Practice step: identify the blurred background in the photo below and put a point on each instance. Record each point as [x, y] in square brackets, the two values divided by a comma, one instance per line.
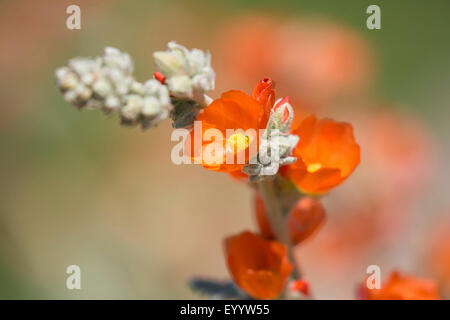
[77, 188]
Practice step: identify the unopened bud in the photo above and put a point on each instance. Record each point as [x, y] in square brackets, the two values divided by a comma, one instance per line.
[180, 86]
[264, 92]
[187, 73]
[169, 62]
[281, 115]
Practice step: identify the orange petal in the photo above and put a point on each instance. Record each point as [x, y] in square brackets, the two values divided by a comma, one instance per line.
[234, 110]
[329, 154]
[259, 267]
[248, 112]
[304, 219]
[307, 216]
[264, 93]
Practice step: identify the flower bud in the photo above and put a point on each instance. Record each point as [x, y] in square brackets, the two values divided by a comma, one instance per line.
[180, 86]
[102, 87]
[188, 73]
[150, 107]
[276, 144]
[264, 93]
[133, 106]
[170, 63]
[281, 115]
[115, 58]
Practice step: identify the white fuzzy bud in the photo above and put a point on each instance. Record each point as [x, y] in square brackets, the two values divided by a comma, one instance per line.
[169, 63]
[112, 103]
[188, 73]
[281, 116]
[102, 87]
[151, 107]
[180, 86]
[133, 106]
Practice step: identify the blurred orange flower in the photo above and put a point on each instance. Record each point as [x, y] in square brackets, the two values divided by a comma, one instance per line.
[304, 219]
[314, 61]
[399, 159]
[402, 287]
[344, 241]
[327, 153]
[259, 267]
[323, 60]
[245, 50]
[396, 144]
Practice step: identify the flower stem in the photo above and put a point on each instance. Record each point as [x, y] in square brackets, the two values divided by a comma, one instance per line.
[277, 221]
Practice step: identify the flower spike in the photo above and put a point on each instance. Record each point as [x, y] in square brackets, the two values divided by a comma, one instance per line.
[106, 83]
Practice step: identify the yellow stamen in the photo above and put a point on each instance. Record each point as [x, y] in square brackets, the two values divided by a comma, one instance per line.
[239, 141]
[311, 168]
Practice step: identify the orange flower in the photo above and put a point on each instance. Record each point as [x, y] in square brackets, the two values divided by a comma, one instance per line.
[234, 110]
[402, 287]
[264, 94]
[304, 219]
[327, 153]
[259, 267]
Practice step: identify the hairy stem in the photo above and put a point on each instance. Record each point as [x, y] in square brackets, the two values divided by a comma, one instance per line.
[277, 220]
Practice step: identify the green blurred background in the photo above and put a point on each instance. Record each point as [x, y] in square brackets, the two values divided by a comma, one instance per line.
[77, 188]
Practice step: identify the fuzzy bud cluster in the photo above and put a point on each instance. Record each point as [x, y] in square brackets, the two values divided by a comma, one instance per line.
[106, 83]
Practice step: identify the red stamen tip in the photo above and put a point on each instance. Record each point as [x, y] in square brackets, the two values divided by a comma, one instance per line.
[160, 77]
